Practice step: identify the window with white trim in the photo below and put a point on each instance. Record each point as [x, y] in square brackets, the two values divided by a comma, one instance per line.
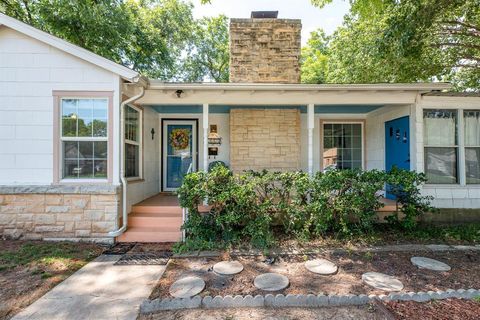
[440, 136]
[133, 142]
[471, 135]
[84, 138]
[342, 145]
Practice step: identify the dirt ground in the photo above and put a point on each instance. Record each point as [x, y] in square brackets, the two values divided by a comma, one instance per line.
[464, 273]
[353, 313]
[29, 269]
[451, 309]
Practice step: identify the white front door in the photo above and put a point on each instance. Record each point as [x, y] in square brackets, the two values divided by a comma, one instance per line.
[179, 151]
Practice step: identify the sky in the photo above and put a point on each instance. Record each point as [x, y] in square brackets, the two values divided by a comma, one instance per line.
[328, 18]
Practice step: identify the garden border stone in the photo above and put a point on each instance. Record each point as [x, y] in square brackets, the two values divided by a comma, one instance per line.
[290, 300]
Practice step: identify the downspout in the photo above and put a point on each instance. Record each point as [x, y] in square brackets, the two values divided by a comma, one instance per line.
[122, 229]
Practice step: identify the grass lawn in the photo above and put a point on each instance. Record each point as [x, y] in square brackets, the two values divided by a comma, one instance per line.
[29, 269]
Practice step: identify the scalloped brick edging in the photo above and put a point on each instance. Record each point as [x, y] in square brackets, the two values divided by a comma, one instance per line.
[290, 300]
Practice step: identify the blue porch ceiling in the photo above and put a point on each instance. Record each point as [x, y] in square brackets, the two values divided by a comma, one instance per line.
[342, 108]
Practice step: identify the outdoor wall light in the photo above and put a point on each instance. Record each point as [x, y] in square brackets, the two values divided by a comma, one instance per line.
[179, 93]
[213, 137]
[153, 133]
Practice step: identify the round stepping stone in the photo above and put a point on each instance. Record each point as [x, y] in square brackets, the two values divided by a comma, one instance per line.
[271, 282]
[382, 281]
[430, 264]
[321, 266]
[187, 287]
[228, 267]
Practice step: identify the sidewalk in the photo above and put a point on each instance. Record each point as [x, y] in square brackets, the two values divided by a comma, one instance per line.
[100, 290]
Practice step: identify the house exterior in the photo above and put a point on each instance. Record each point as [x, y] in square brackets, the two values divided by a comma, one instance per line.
[83, 140]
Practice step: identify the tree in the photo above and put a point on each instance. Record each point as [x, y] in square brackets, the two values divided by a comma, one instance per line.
[209, 57]
[409, 40]
[314, 59]
[150, 36]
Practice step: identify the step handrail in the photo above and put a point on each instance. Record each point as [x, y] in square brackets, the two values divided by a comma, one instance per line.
[185, 210]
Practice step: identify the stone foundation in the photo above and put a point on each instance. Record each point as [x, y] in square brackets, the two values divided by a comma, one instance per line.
[265, 139]
[63, 213]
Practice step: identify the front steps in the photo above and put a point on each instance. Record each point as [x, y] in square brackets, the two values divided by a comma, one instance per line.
[157, 219]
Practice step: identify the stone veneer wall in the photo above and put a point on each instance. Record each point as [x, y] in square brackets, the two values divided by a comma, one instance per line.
[59, 212]
[265, 50]
[264, 139]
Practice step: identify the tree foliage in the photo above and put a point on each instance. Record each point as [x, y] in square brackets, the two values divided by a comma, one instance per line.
[314, 59]
[406, 41]
[209, 57]
[154, 37]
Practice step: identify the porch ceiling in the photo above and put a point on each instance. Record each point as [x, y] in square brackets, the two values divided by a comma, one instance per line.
[327, 108]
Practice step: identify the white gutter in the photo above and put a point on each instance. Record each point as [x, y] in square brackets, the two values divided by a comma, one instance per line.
[159, 85]
[122, 229]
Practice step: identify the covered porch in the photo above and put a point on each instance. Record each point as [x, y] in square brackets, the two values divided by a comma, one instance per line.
[275, 127]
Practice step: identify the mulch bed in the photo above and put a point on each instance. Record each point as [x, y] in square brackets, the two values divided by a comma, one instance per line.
[464, 274]
[450, 309]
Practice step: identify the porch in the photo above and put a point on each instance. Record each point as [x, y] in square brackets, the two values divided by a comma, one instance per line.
[262, 126]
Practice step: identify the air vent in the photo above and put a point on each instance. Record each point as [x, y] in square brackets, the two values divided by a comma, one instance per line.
[264, 14]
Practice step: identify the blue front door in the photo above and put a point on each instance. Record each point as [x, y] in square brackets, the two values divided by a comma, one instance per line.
[397, 145]
[179, 151]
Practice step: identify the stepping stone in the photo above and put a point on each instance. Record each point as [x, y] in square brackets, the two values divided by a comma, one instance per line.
[382, 281]
[271, 282]
[228, 267]
[430, 264]
[321, 266]
[187, 287]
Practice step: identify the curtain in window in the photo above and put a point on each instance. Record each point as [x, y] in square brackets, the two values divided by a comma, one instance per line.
[440, 140]
[472, 146]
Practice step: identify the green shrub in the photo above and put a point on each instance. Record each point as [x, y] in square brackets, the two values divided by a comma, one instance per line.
[245, 207]
[405, 186]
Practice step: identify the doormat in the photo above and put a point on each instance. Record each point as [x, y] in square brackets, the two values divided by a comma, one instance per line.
[119, 248]
[144, 259]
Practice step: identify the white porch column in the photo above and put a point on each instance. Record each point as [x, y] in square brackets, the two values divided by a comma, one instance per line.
[205, 137]
[311, 126]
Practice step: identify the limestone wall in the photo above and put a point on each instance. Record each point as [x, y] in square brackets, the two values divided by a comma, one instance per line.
[52, 214]
[264, 139]
[265, 50]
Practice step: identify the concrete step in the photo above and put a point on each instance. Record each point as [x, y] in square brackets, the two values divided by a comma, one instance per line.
[169, 210]
[147, 219]
[144, 234]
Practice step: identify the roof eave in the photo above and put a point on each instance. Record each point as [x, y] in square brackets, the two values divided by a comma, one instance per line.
[418, 87]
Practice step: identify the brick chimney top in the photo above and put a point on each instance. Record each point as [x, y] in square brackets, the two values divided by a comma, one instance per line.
[264, 49]
[264, 15]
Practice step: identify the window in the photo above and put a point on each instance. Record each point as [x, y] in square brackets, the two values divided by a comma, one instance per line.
[472, 146]
[342, 146]
[441, 146]
[84, 138]
[133, 142]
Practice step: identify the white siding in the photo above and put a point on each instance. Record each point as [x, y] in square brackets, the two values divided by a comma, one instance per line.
[29, 71]
[137, 191]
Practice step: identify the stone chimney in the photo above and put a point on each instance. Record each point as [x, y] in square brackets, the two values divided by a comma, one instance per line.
[265, 49]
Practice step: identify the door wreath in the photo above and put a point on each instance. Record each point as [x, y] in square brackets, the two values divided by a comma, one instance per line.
[179, 139]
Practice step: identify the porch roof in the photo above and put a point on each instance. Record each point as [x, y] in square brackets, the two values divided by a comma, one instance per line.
[266, 94]
[418, 86]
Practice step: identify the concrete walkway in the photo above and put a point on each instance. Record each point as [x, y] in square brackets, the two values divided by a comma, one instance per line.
[98, 291]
